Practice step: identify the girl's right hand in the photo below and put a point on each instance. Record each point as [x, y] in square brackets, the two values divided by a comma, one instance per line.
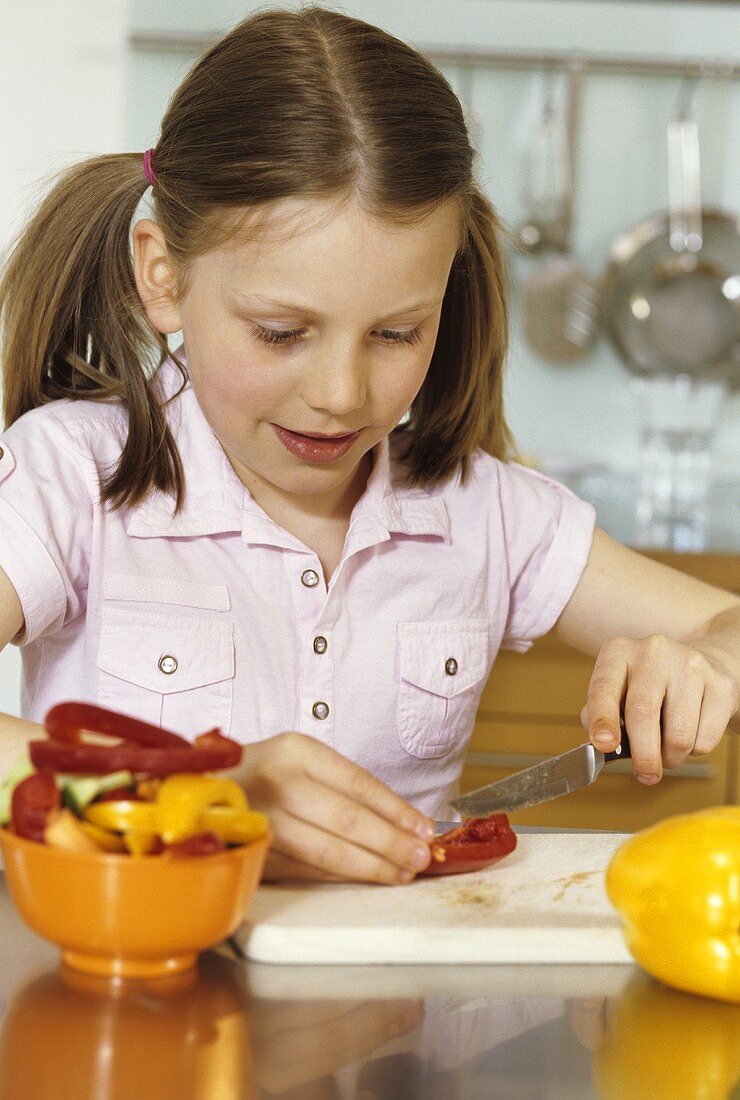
[332, 820]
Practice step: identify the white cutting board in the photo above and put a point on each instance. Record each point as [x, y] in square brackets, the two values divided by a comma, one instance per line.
[545, 903]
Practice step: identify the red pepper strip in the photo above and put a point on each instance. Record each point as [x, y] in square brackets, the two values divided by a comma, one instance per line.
[65, 722]
[213, 754]
[32, 803]
[201, 844]
[476, 844]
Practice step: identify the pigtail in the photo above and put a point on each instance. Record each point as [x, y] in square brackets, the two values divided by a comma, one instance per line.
[74, 325]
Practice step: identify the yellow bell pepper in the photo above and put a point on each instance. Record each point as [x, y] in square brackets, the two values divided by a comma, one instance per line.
[677, 888]
[181, 800]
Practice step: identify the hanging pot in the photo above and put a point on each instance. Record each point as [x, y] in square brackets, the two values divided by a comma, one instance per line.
[671, 291]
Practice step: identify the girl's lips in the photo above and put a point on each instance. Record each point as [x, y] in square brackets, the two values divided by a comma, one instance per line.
[312, 449]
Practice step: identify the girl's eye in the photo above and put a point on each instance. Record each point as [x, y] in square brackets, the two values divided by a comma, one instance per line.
[293, 335]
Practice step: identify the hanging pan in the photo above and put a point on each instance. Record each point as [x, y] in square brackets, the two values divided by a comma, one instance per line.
[671, 291]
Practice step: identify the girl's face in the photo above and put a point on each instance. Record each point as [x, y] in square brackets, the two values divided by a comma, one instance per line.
[323, 326]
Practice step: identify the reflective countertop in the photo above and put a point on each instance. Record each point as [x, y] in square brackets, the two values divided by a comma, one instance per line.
[233, 1030]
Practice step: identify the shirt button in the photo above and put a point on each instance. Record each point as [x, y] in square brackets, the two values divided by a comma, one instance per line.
[319, 644]
[450, 666]
[320, 710]
[310, 578]
[167, 664]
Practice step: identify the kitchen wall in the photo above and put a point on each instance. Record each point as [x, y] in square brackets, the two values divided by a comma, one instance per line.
[81, 77]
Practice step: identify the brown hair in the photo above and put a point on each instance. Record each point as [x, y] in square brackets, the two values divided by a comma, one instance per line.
[310, 103]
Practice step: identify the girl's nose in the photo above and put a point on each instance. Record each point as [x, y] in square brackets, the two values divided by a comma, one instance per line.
[339, 386]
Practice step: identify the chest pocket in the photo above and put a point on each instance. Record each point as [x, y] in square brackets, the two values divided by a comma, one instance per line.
[443, 668]
[173, 670]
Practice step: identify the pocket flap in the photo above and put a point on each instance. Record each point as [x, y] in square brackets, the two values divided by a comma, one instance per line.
[444, 658]
[165, 653]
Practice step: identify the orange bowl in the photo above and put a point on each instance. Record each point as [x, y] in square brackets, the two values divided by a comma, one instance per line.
[133, 916]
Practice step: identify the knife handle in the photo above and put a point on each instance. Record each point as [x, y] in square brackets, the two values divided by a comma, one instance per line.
[623, 752]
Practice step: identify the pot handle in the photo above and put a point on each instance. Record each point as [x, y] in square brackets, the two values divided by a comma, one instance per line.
[684, 178]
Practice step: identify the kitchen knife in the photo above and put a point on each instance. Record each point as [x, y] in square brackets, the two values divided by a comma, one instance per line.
[553, 777]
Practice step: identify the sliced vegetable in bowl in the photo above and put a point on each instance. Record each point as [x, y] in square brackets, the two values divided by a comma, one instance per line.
[144, 794]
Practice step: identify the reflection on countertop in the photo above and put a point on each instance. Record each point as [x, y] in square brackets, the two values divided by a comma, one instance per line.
[242, 1031]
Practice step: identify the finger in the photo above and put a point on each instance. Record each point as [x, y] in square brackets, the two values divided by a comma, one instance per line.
[680, 716]
[286, 755]
[604, 697]
[333, 812]
[642, 710]
[333, 855]
[360, 786]
[717, 708]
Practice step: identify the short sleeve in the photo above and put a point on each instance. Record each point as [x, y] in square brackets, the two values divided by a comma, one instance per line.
[45, 522]
[548, 532]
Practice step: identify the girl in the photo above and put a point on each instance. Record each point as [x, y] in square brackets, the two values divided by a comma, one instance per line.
[303, 526]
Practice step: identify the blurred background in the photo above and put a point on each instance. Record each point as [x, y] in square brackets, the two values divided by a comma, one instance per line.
[569, 103]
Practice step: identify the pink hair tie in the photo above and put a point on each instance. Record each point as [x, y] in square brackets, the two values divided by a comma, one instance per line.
[148, 170]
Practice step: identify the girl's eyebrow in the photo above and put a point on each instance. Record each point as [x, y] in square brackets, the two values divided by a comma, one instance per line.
[306, 311]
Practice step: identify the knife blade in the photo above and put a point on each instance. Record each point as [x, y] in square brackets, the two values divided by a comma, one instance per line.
[556, 776]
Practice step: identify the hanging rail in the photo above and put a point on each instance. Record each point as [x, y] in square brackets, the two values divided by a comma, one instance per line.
[165, 42]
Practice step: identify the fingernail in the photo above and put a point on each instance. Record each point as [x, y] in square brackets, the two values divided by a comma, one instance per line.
[649, 779]
[604, 739]
[425, 831]
[406, 876]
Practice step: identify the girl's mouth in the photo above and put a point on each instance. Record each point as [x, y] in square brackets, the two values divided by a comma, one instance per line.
[311, 448]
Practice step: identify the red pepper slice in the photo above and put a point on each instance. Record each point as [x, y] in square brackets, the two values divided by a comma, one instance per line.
[476, 844]
[201, 844]
[32, 803]
[143, 750]
[66, 721]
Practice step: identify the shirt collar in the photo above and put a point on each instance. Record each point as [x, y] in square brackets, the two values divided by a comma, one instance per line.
[216, 502]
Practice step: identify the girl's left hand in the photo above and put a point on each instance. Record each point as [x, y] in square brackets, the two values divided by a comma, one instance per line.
[676, 700]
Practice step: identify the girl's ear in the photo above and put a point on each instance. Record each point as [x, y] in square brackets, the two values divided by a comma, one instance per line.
[155, 277]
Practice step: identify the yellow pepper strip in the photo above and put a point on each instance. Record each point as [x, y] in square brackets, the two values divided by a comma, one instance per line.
[181, 800]
[139, 843]
[106, 840]
[233, 826]
[677, 887]
[122, 816]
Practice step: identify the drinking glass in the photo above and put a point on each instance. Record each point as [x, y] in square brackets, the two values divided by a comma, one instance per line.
[678, 417]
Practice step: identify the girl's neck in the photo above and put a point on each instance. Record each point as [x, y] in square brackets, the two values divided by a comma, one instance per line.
[306, 515]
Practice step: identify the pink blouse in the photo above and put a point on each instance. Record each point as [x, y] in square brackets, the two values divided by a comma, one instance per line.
[220, 617]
